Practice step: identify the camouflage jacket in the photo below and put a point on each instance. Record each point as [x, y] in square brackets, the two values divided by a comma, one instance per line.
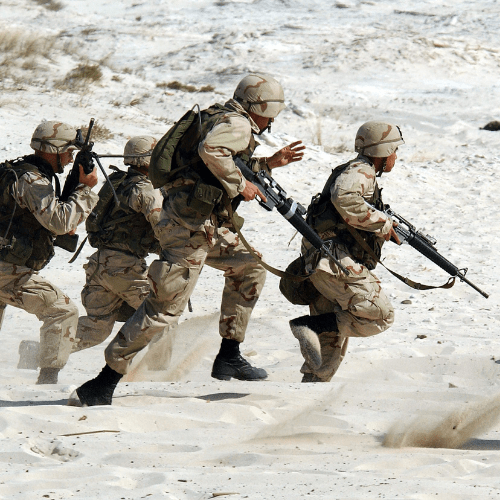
[347, 192]
[39, 215]
[227, 131]
[130, 226]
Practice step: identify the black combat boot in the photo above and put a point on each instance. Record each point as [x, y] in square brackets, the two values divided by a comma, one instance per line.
[306, 329]
[99, 390]
[229, 363]
[48, 376]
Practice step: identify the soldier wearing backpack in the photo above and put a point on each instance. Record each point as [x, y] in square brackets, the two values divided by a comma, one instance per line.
[116, 274]
[355, 305]
[195, 231]
[31, 215]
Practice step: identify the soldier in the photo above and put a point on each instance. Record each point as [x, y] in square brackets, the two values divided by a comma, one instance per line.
[116, 275]
[194, 231]
[348, 306]
[31, 215]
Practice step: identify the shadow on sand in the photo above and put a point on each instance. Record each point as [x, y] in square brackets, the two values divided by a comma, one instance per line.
[13, 404]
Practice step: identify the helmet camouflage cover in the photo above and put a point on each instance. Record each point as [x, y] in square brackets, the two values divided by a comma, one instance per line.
[53, 137]
[138, 146]
[378, 139]
[261, 94]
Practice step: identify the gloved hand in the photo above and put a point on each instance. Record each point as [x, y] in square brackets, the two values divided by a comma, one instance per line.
[86, 160]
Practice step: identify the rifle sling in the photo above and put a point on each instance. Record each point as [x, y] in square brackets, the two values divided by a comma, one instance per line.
[272, 270]
[77, 253]
[413, 284]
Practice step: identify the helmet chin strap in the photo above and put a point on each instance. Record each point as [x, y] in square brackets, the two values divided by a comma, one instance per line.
[60, 168]
[383, 167]
[268, 129]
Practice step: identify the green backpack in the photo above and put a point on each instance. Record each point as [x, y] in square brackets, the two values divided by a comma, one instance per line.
[161, 168]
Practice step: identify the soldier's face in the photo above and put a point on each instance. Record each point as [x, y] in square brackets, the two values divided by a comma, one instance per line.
[56, 161]
[390, 162]
[66, 157]
[261, 121]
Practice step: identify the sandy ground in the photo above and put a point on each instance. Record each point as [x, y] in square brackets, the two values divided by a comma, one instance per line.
[413, 412]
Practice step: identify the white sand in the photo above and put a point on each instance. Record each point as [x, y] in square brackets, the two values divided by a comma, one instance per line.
[405, 417]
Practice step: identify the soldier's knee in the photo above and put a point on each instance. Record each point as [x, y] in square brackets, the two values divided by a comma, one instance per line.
[373, 309]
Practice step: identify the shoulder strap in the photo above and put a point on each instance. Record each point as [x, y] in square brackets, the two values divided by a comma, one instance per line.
[331, 180]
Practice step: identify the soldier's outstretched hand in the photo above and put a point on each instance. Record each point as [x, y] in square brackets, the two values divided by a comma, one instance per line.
[292, 152]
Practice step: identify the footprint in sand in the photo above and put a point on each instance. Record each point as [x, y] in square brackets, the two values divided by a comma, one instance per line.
[52, 448]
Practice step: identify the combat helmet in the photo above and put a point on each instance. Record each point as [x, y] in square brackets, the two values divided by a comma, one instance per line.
[378, 139]
[261, 94]
[140, 145]
[53, 137]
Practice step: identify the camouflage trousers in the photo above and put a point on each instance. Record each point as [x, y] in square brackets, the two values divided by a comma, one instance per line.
[361, 307]
[172, 280]
[23, 288]
[116, 282]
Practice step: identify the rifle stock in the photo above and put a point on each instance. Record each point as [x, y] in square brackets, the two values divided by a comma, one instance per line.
[68, 242]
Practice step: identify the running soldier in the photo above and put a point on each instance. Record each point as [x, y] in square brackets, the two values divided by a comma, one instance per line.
[116, 275]
[31, 216]
[195, 230]
[348, 306]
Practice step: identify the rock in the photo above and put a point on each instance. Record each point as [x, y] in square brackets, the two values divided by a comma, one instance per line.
[494, 126]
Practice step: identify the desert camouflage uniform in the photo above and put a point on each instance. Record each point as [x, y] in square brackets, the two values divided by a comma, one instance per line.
[361, 307]
[116, 275]
[190, 240]
[21, 286]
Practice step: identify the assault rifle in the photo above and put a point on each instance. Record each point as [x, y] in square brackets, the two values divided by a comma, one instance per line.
[85, 158]
[292, 211]
[425, 244]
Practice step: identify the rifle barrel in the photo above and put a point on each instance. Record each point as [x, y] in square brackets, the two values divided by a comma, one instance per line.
[464, 279]
[89, 131]
[422, 245]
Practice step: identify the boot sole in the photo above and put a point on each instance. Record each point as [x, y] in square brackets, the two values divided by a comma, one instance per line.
[221, 377]
[310, 346]
[229, 377]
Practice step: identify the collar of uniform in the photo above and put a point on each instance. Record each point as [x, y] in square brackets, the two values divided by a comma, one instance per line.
[134, 170]
[365, 159]
[233, 104]
[42, 165]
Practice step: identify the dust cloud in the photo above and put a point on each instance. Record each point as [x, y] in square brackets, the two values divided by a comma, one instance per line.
[450, 431]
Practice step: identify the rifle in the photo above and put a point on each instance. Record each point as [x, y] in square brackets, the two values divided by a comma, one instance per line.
[292, 211]
[85, 157]
[425, 244]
